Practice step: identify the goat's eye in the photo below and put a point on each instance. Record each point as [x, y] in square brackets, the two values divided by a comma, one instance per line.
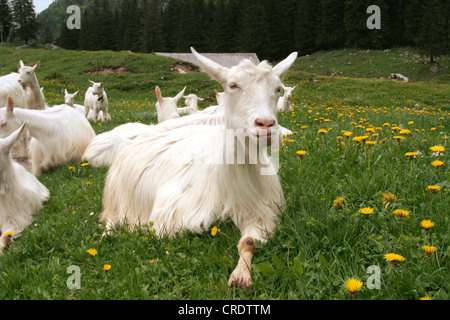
[233, 86]
[278, 90]
[4, 124]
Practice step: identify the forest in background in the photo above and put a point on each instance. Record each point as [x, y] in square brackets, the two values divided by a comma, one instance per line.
[270, 28]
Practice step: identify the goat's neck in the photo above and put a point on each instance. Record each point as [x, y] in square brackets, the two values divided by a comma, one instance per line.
[7, 174]
[35, 98]
[38, 123]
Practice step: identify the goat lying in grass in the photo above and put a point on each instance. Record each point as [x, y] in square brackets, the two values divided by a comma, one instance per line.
[183, 179]
[96, 99]
[167, 107]
[58, 134]
[191, 101]
[21, 193]
[34, 97]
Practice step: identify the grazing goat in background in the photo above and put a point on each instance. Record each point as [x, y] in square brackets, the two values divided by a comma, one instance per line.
[21, 193]
[181, 179]
[166, 108]
[58, 134]
[284, 103]
[34, 97]
[96, 99]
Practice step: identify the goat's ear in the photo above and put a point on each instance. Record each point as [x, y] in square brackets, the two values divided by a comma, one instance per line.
[11, 140]
[10, 106]
[21, 65]
[281, 68]
[36, 66]
[158, 94]
[213, 69]
[180, 95]
[295, 87]
[75, 94]
[65, 92]
[91, 82]
[101, 84]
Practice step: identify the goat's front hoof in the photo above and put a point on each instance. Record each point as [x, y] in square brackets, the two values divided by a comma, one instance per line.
[241, 279]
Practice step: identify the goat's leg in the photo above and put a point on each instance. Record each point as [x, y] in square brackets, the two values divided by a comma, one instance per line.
[241, 276]
[86, 109]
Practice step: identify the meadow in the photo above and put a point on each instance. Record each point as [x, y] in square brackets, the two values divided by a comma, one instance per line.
[372, 147]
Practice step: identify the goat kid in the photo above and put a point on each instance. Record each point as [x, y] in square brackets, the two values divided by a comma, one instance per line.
[166, 108]
[284, 103]
[69, 99]
[21, 193]
[96, 99]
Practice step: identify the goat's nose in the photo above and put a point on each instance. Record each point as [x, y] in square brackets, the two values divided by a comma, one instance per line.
[264, 123]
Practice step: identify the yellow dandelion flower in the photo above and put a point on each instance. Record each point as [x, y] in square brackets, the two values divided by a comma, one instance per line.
[88, 183]
[353, 285]
[404, 131]
[393, 257]
[8, 234]
[437, 163]
[85, 164]
[411, 154]
[214, 231]
[401, 213]
[366, 211]
[93, 252]
[322, 131]
[153, 261]
[371, 143]
[107, 267]
[437, 148]
[389, 198]
[301, 153]
[425, 298]
[399, 138]
[429, 249]
[338, 201]
[427, 224]
[71, 168]
[303, 127]
[433, 189]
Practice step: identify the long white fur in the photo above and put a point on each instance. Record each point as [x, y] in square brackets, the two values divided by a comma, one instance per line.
[59, 134]
[34, 97]
[96, 99]
[69, 99]
[21, 193]
[10, 87]
[159, 180]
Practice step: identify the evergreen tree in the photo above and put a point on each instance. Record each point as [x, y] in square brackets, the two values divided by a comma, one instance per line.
[253, 29]
[355, 24]
[151, 35]
[24, 18]
[47, 36]
[105, 29]
[305, 33]
[330, 27]
[433, 37]
[5, 19]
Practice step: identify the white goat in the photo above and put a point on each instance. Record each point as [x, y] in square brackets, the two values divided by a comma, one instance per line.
[161, 179]
[96, 99]
[284, 103]
[34, 97]
[21, 193]
[191, 101]
[69, 99]
[10, 86]
[58, 134]
[167, 107]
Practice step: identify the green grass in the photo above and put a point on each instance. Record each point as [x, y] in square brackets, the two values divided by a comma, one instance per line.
[317, 246]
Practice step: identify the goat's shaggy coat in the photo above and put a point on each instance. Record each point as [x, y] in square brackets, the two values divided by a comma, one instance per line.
[177, 179]
[21, 193]
[59, 134]
[10, 87]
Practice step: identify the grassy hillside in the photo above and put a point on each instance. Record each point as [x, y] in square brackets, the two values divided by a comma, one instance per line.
[320, 242]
